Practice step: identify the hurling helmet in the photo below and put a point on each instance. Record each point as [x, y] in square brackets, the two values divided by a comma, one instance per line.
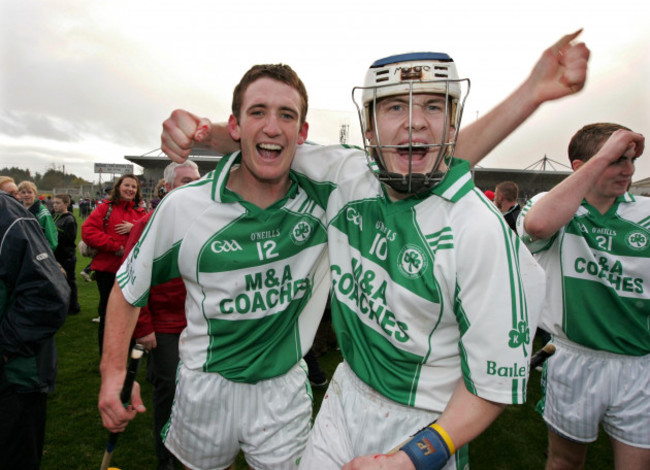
[410, 74]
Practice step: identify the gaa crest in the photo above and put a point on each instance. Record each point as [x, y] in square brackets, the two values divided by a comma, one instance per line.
[412, 261]
[637, 240]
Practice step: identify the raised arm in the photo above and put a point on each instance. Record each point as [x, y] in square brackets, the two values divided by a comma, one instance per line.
[561, 71]
[556, 209]
[183, 130]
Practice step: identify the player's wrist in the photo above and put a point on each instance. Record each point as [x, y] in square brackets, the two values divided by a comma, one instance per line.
[430, 448]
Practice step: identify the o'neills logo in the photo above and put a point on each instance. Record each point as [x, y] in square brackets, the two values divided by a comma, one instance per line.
[514, 370]
[225, 246]
[265, 235]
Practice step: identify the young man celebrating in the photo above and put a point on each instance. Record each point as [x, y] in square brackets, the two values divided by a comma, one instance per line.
[409, 236]
[247, 240]
[593, 239]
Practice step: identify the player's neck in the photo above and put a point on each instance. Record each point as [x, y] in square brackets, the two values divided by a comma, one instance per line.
[600, 202]
[261, 193]
[506, 206]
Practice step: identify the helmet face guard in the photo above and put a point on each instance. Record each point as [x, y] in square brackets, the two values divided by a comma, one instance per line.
[407, 75]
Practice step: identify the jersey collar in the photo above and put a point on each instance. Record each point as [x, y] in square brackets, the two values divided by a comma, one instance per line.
[456, 183]
[221, 193]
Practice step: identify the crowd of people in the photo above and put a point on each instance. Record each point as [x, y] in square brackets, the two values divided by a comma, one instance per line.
[225, 280]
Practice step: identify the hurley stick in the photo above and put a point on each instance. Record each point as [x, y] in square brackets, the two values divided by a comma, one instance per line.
[540, 356]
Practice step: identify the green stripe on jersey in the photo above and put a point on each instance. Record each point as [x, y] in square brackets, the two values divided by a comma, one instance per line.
[270, 345]
[241, 244]
[608, 281]
[396, 363]
[605, 275]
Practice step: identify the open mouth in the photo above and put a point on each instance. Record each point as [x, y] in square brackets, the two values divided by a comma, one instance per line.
[416, 152]
[269, 151]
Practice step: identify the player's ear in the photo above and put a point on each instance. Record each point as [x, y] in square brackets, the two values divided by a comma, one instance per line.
[576, 164]
[370, 136]
[233, 128]
[452, 133]
[302, 135]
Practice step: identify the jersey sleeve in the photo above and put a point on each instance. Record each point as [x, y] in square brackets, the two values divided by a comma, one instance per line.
[321, 168]
[154, 257]
[49, 228]
[533, 244]
[498, 300]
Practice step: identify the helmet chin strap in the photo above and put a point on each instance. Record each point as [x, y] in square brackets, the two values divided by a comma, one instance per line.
[412, 183]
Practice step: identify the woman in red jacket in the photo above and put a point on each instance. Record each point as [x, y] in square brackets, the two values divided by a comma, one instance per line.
[107, 229]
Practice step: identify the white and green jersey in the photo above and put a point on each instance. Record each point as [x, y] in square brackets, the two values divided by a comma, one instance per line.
[425, 290]
[257, 280]
[598, 276]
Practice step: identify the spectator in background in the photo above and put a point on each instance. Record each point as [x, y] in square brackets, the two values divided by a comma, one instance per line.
[84, 208]
[49, 203]
[505, 198]
[84, 211]
[159, 191]
[33, 305]
[107, 229]
[8, 185]
[161, 322]
[66, 251]
[28, 196]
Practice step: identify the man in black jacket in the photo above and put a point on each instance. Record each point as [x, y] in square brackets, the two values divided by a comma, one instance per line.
[506, 195]
[65, 253]
[34, 300]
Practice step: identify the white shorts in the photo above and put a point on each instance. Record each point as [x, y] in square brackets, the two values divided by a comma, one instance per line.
[585, 387]
[213, 418]
[355, 420]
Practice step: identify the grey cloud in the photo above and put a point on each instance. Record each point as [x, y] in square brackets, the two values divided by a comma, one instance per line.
[25, 124]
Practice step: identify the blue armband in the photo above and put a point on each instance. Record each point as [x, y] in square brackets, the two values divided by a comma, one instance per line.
[430, 449]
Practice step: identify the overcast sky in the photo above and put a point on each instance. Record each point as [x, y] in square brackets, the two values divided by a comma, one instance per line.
[91, 81]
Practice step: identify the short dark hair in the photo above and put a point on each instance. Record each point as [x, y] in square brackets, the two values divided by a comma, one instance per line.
[64, 197]
[280, 72]
[587, 141]
[509, 190]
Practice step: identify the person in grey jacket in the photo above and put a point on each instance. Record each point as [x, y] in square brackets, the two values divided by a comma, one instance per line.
[34, 297]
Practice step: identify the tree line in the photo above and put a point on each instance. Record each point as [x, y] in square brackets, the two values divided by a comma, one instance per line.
[52, 178]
